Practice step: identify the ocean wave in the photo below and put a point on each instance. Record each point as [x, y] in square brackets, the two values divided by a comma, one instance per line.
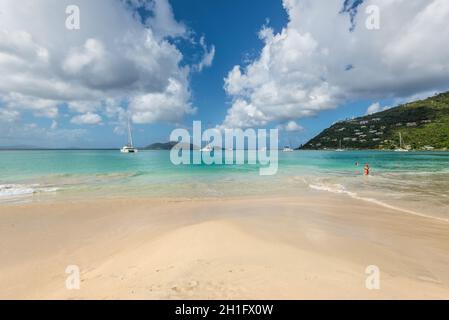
[17, 190]
[73, 180]
[415, 173]
[334, 188]
[341, 189]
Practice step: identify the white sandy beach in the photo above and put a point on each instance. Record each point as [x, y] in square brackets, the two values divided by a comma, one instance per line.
[248, 248]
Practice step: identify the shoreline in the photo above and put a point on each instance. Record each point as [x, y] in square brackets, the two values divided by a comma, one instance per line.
[311, 190]
[295, 247]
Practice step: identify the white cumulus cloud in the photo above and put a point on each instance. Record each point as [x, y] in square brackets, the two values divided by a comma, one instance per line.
[321, 59]
[88, 118]
[373, 108]
[114, 56]
[291, 126]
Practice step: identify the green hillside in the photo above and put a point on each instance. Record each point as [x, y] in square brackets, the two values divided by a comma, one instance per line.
[169, 146]
[161, 146]
[424, 125]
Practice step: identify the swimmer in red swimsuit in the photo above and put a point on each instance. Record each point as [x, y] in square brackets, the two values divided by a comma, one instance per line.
[366, 169]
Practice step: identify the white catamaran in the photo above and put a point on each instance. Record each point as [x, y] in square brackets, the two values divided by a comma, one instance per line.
[401, 143]
[339, 148]
[129, 148]
[288, 148]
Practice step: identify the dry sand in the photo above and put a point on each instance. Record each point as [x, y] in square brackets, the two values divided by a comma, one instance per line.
[250, 248]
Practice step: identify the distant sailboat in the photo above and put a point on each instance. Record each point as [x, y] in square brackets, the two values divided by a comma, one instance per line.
[339, 149]
[207, 148]
[129, 148]
[401, 143]
[288, 148]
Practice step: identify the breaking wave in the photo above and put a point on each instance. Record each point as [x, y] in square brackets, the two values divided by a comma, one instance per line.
[341, 189]
[18, 190]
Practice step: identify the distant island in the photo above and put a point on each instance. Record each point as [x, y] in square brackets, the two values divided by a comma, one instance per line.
[423, 124]
[168, 146]
[18, 147]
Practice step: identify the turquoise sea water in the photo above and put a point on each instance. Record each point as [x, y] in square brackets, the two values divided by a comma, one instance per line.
[417, 181]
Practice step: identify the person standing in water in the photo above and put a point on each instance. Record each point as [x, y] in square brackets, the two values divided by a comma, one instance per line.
[366, 169]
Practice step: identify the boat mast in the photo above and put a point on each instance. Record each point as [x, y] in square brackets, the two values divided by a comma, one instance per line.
[130, 136]
[400, 140]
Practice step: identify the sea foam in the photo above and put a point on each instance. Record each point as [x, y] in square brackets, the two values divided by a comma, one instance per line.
[18, 190]
[340, 189]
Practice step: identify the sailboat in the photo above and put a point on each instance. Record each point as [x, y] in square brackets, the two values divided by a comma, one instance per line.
[401, 143]
[129, 148]
[207, 148]
[288, 148]
[339, 149]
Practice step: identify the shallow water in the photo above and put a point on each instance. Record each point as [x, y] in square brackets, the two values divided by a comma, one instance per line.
[415, 181]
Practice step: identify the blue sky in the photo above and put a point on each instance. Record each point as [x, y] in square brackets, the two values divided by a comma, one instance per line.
[233, 26]
[272, 63]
